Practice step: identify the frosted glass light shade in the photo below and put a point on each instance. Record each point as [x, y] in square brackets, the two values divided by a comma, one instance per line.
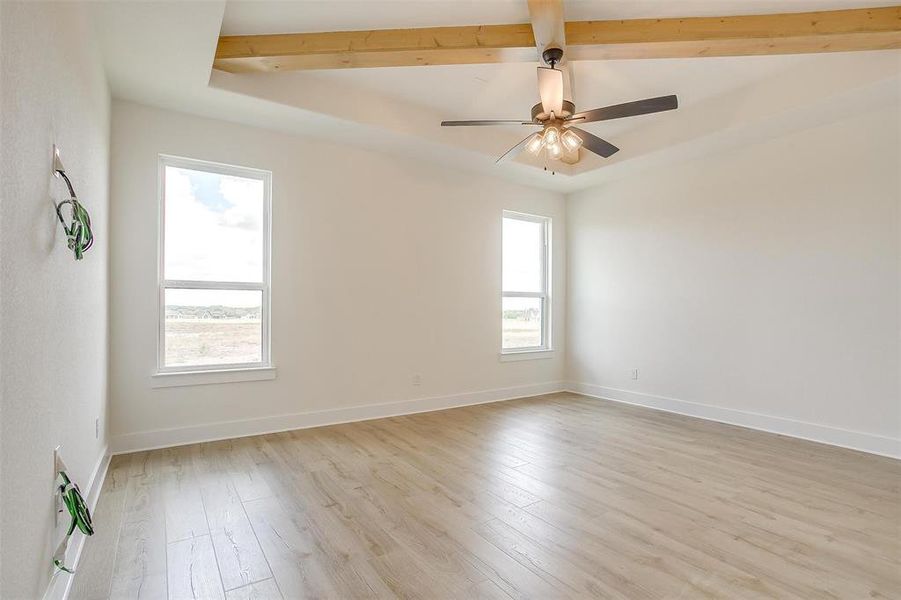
[535, 144]
[571, 141]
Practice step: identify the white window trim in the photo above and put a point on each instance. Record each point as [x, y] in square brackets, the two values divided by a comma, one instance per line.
[546, 348]
[515, 356]
[213, 373]
[187, 378]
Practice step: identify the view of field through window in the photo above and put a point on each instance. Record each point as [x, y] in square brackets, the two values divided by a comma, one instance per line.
[521, 322]
[213, 239]
[523, 273]
[213, 327]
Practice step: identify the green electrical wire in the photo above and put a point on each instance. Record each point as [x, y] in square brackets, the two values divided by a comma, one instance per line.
[79, 234]
[78, 511]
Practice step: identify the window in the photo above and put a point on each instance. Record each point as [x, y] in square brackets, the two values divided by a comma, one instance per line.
[214, 266]
[525, 302]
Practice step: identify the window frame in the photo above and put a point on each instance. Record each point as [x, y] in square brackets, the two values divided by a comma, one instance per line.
[264, 286]
[544, 295]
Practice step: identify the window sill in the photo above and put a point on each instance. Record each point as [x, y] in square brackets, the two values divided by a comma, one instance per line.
[513, 356]
[185, 378]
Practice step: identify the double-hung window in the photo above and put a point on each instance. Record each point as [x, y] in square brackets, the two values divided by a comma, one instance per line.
[214, 266]
[525, 301]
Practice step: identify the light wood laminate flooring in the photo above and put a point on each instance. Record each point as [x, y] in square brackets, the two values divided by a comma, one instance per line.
[557, 496]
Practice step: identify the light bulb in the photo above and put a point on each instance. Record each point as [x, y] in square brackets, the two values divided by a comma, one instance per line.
[551, 136]
[571, 141]
[554, 151]
[535, 144]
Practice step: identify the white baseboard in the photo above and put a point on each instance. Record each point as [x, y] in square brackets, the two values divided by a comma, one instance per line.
[60, 583]
[855, 440]
[165, 438]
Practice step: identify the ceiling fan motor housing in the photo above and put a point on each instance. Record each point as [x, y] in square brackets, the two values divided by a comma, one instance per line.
[539, 116]
[552, 56]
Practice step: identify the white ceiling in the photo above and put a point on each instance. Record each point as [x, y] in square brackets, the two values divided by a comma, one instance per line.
[508, 91]
[160, 53]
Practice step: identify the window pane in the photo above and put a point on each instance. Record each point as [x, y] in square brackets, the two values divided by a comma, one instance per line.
[522, 322]
[214, 226]
[523, 255]
[213, 327]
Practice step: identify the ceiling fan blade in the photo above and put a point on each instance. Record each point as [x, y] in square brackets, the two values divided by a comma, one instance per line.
[483, 122]
[514, 151]
[594, 143]
[550, 88]
[628, 109]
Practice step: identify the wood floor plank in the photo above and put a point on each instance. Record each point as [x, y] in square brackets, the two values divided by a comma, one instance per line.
[487, 590]
[674, 550]
[551, 566]
[240, 558]
[406, 578]
[516, 580]
[557, 496]
[185, 515]
[290, 548]
[261, 590]
[192, 570]
[246, 479]
[141, 570]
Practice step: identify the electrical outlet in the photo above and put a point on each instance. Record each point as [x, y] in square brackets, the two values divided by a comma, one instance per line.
[97, 428]
[634, 373]
[417, 380]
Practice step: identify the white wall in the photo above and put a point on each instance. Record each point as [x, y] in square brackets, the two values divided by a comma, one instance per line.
[382, 268]
[53, 314]
[762, 280]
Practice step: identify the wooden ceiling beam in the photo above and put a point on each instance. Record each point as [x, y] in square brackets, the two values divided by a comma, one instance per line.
[783, 33]
[378, 48]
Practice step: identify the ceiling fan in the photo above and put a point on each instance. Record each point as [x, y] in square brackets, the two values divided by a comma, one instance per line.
[558, 117]
[559, 137]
